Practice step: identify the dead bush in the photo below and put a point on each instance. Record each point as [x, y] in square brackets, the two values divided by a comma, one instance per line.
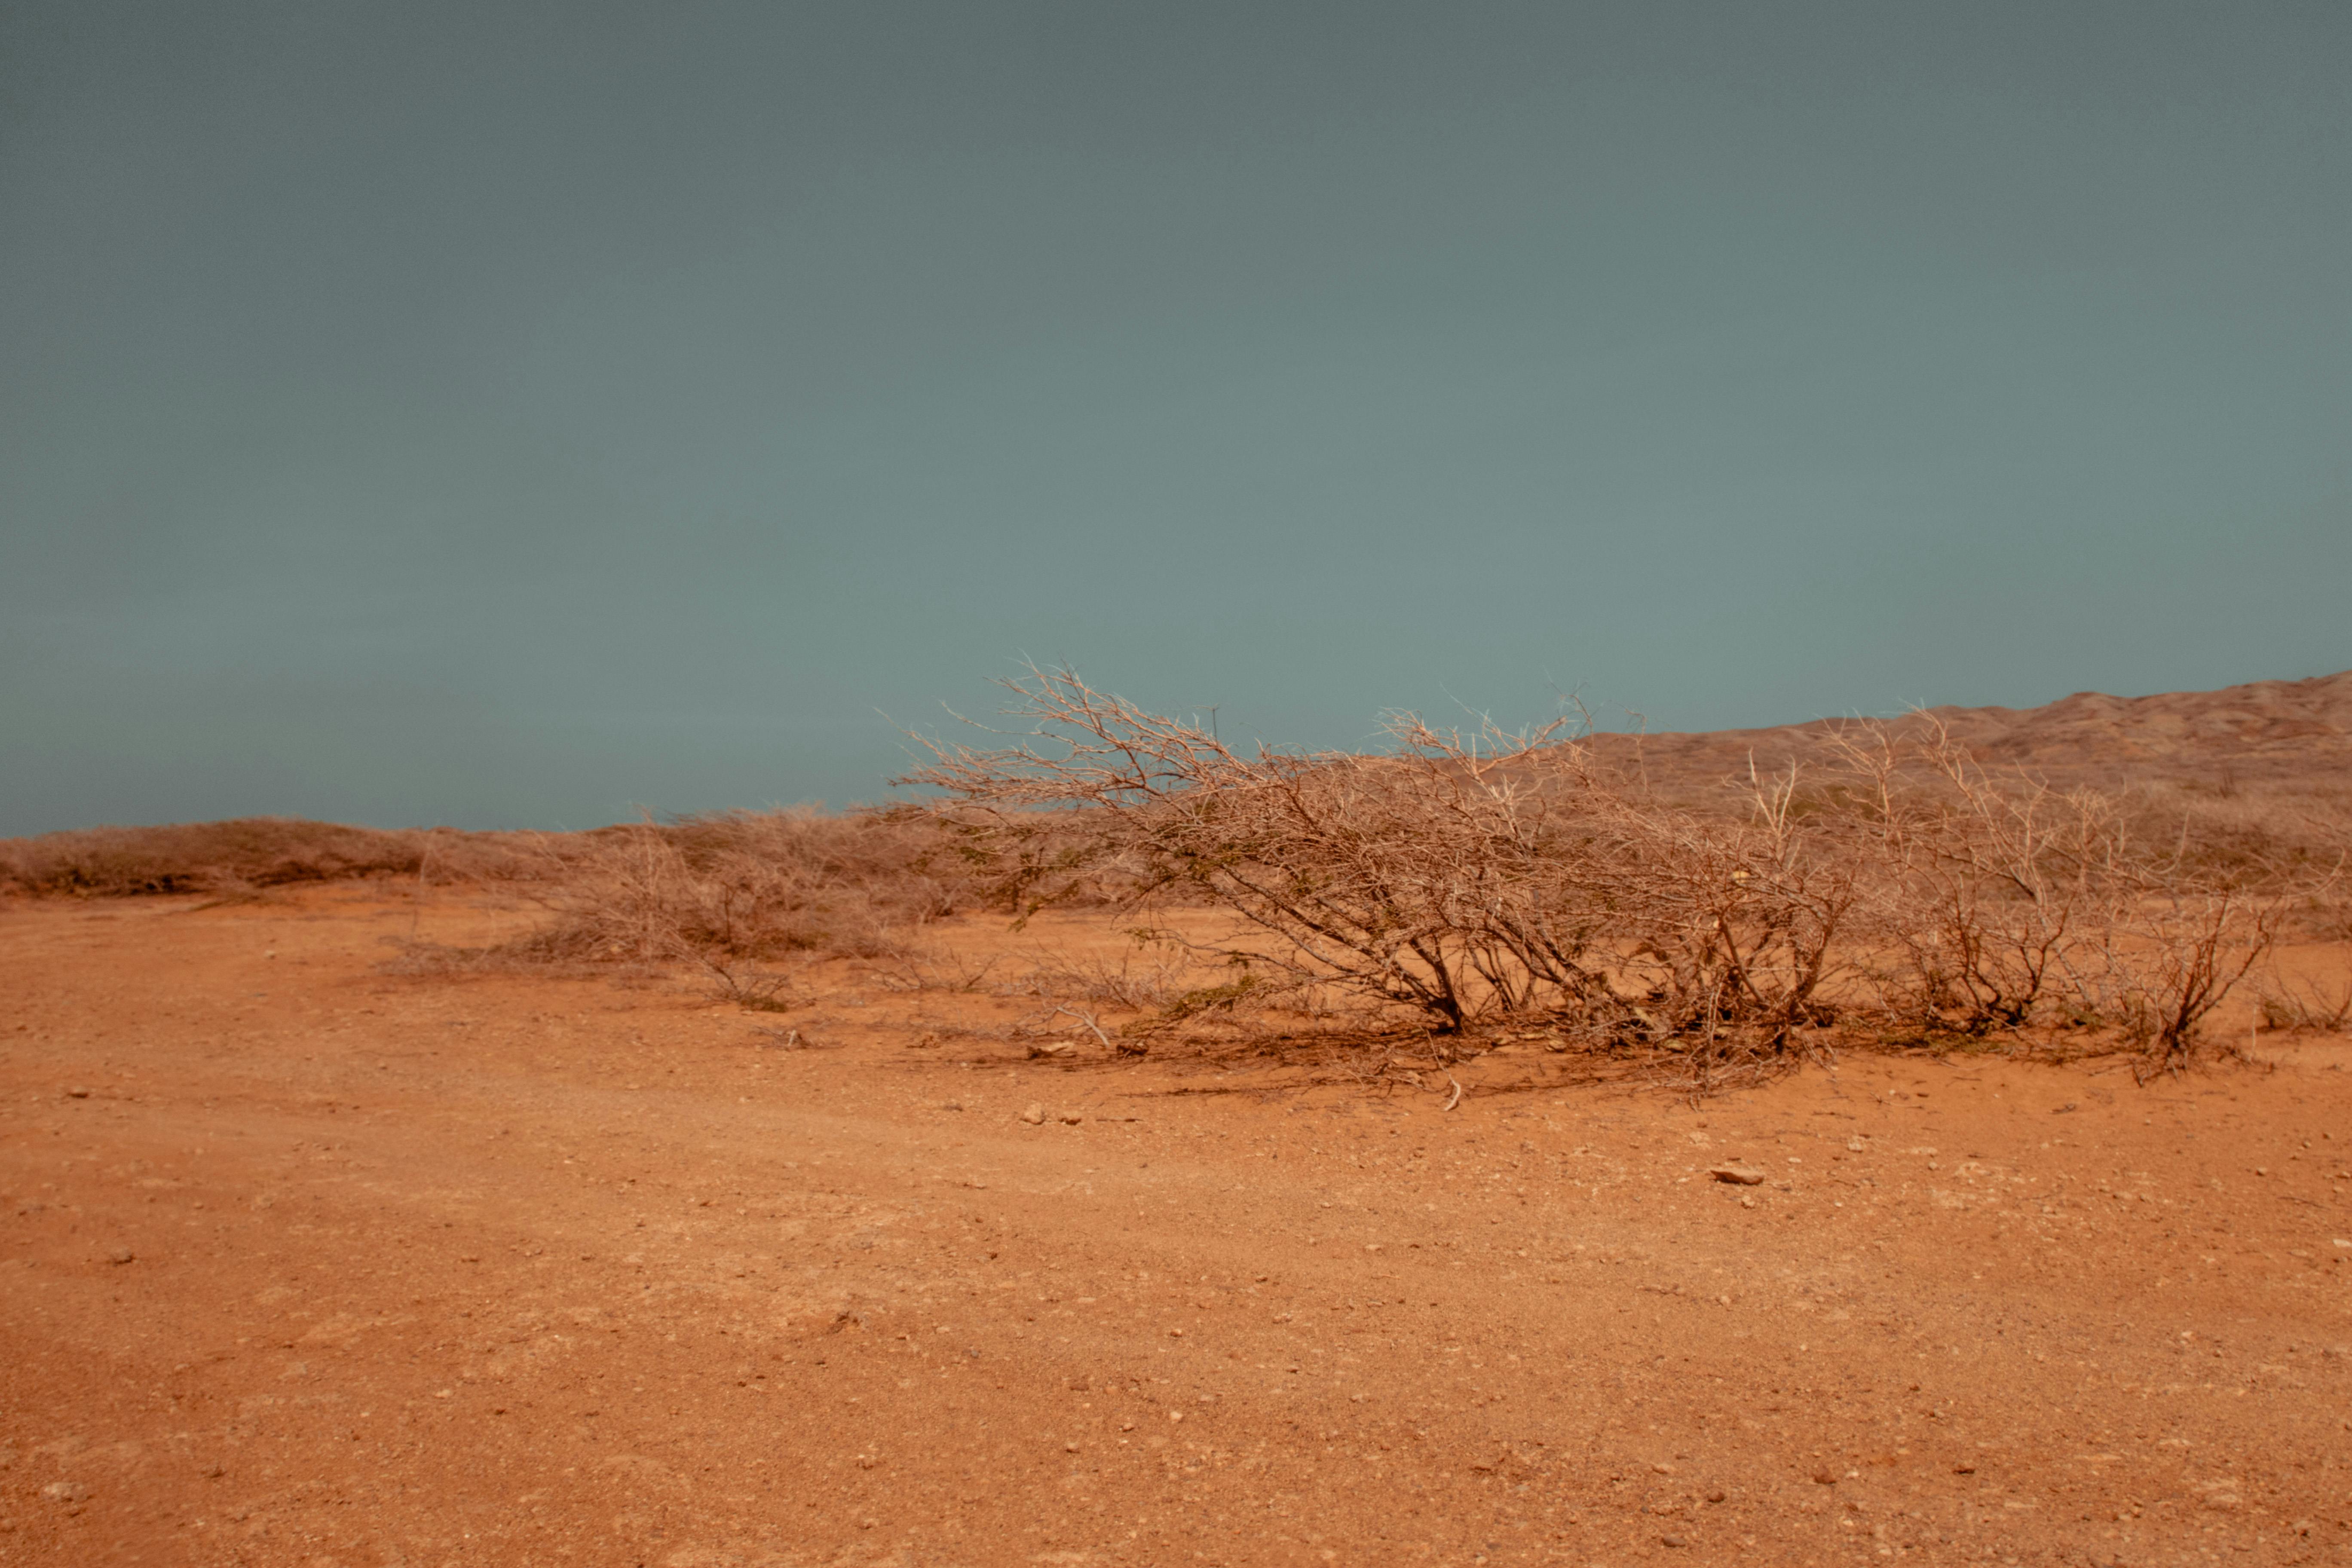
[254, 852]
[734, 893]
[1466, 878]
[1995, 903]
[2310, 1006]
[1482, 879]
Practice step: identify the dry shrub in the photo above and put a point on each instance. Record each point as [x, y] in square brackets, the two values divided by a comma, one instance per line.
[728, 892]
[1153, 977]
[2258, 831]
[1493, 879]
[1466, 879]
[735, 890]
[251, 853]
[2310, 1006]
[1995, 903]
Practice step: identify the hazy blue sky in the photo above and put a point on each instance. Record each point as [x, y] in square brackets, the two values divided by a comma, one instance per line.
[506, 414]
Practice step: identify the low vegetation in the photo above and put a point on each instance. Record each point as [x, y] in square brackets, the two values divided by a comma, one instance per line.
[1507, 881]
[253, 852]
[1451, 889]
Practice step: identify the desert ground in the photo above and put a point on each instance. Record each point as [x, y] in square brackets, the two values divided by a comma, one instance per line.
[311, 1261]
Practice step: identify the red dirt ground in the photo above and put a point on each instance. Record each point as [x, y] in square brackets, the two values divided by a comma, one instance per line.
[312, 1264]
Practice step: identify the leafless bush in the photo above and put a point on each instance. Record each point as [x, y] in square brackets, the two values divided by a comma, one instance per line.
[252, 853]
[912, 966]
[1139, 981]
[2308, 1006]
[1982, 893]
[1999, 902]
[1467, 878]
[1478, 880]
[736, 890]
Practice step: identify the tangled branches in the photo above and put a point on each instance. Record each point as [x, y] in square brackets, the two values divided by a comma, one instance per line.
[1482, 878]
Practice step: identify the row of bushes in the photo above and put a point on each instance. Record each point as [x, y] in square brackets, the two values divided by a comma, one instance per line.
[1479, 881]
[252, 853]
[731, 886]
[1501, 880]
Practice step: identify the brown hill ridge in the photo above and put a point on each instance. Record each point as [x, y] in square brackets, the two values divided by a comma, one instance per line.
[2276, 732]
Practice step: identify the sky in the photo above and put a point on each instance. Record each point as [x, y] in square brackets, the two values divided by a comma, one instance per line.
[514, 415]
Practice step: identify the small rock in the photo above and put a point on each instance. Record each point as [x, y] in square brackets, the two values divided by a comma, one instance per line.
[121, 1254]
[1672, 1540]
[1717, 1495]
[2222, 1502]
[1737, 1175]
[1069, 1447]
[64, 1491]
[952, 1105]
[1035, 1116]
[1071, 1118]
[77, 1092]
[1824, 1477]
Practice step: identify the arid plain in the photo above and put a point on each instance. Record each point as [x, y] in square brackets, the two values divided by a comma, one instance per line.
[316, 1259]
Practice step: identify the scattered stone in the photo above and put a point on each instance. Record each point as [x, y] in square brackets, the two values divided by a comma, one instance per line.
[1672, 1540]
[1071, 1118]
[1824, 1477]
[1717, 1495]
[64, 1491]
[1035, 1116]
[952, 1105]
[2222, 1502]
[1069, 1447]
[77, 1092]
[1964, 1469]
[121, 1254]
[1737, 1174]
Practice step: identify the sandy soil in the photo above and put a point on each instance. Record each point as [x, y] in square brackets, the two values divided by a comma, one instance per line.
[307, 1263]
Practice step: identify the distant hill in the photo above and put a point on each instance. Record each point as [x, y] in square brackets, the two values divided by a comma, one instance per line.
[2293, 733]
